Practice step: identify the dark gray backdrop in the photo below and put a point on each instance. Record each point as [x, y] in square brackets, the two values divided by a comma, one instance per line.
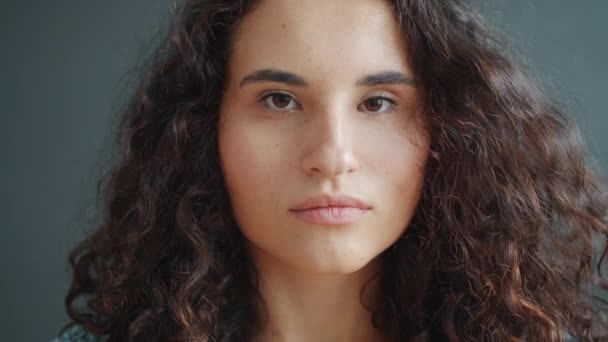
[66, 70]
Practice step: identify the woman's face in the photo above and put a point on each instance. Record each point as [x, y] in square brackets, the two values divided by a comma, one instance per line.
[342, 119]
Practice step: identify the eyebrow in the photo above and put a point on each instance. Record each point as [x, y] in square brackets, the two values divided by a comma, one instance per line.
[275, 75]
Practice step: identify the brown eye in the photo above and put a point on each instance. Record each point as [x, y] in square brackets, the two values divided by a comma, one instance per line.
[374, 104]
[379, 104]
[279, 102]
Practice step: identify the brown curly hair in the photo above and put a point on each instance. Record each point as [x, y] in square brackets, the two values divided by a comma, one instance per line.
[503, 245]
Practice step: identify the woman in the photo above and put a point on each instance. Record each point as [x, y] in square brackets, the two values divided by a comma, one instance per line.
[342, 171]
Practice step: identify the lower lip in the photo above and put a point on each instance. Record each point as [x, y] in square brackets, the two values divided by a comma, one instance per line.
[330, 215]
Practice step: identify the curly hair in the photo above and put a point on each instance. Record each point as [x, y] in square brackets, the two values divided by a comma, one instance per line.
[503, 245]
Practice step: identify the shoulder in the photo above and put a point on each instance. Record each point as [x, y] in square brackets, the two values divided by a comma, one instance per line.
[77, 333]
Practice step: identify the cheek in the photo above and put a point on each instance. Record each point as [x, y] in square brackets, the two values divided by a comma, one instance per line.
[251, 161]
[400, 171]
[398, 155]
[407, 168]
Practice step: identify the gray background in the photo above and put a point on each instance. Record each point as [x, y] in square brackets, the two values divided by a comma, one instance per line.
[67, 67]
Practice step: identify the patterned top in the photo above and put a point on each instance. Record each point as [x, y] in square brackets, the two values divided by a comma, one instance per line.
[78, 333]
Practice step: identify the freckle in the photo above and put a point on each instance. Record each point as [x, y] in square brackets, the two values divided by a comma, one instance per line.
[283, 26]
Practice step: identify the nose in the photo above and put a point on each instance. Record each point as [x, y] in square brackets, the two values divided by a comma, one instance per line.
[329, 149]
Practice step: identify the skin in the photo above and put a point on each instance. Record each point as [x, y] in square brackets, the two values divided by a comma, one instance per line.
[328, 136]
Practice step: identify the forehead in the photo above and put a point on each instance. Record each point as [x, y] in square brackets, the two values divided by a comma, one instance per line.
[319, 38]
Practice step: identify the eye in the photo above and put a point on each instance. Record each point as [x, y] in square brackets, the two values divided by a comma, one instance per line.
[279, 102]
[379, 104]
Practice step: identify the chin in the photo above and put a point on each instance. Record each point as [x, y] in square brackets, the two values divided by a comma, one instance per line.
[329, 266]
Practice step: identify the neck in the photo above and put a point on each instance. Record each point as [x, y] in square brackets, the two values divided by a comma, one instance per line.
[298, 306]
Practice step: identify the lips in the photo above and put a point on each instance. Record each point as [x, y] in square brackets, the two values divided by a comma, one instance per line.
[330, 210]
[328, 200]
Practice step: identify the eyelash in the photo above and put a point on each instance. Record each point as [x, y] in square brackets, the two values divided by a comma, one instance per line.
[392, 103]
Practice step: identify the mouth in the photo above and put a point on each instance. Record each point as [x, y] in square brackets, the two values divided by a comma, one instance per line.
[331, 200]
[330, 215]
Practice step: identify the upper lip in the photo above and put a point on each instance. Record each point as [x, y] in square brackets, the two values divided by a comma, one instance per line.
[331, 200]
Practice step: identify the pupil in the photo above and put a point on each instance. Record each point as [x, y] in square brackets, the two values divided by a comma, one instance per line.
[281, 100]
[375, 104]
